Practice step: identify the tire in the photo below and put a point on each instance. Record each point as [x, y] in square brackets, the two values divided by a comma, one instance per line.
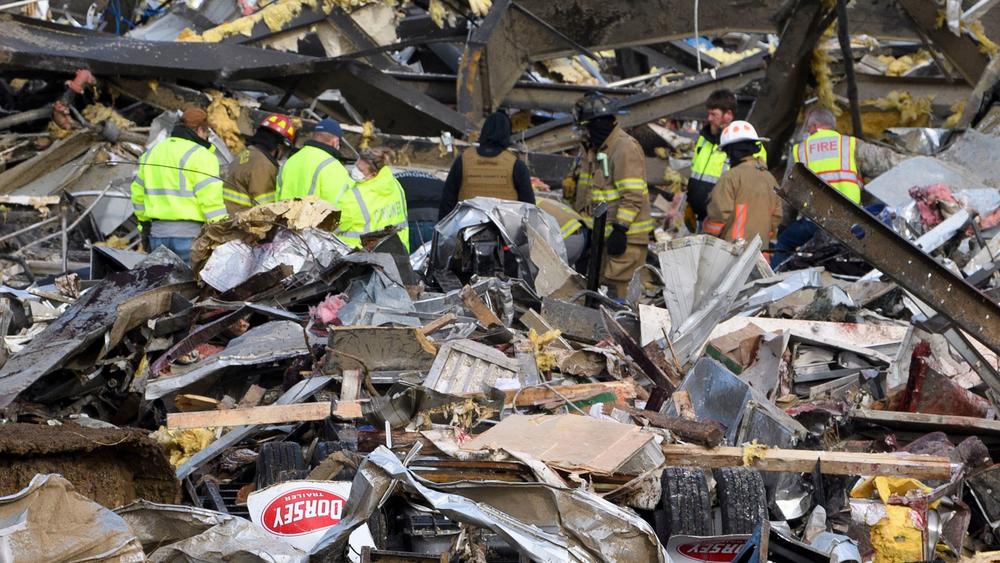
[742, 499]
[686, 506]
[279, 462]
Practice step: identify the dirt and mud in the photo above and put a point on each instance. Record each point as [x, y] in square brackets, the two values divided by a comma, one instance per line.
[111, 466]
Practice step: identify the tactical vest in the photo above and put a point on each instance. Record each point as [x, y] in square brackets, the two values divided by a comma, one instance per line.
[487, 176]
[830, 156]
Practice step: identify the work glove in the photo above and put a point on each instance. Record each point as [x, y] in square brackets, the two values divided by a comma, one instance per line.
[617, 240]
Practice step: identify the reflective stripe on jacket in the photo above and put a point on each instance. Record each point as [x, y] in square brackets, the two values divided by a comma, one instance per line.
[373, 205]
[250, 180]
[178, 180]
[831, 156]
[569, 221]
[710, 162]
[616, 174]
[312, 171]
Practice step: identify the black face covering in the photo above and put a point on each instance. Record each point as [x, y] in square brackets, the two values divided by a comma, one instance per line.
[265, 139]
[495, 133]
[739, 151]
[598, 130]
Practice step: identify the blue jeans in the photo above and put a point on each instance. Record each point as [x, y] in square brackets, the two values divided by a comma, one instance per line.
[790, 239]
[181, 246]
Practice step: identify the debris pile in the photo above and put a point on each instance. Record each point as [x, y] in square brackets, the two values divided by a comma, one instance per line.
[469, 389]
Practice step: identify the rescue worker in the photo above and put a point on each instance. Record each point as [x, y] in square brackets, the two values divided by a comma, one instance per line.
[575, 228]
[316, 169]
[709, 163]
[251, 178]
[374, 201]
[832, 157]
[612, 170]
[489, 170]
[744, 203]
[177, 187]
[423, 202]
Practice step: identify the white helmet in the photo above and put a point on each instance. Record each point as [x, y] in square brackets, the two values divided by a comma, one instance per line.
[739, 131]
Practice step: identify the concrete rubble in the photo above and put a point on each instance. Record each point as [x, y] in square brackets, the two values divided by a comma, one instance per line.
[285, 397]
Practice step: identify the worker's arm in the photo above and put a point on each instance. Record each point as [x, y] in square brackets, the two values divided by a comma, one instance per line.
[449, 195]
[874, 160]
[630, 181]
[261, 184]
[139, 195]
[720, 206]
[333, 183]
[522, 182]
[208, 186]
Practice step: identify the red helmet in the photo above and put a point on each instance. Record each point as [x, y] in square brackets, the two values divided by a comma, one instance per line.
[282, 125]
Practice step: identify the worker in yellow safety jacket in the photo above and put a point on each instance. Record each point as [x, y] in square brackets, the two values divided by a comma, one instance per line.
[375, 201]
[832, 157]
[709, 161]
[575, 228]
[177, 187]
[316, 170]
[613, 170]
[251, 179]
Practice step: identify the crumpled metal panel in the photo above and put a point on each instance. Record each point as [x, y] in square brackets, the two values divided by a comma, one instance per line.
[717, 394]
[174, 533]
[702, 276]
[269, 342]
[79, 529]
[85, 321]
[236, 261]
[543, 522]
[464, 366]
[510, 218]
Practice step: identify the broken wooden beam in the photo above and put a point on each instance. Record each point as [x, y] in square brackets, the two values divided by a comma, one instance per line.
[271, 414]
[805, 461]
[622, 390]
[949, 424]
[708, 434]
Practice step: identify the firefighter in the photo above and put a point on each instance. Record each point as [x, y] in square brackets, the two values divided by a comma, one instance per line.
[489, 170]
[316, 169]
[613, 170]
[575, 228]
[251, 179]
[834, 158]
[177, 188]
[709, 162]
[744, 203]
[375, 201]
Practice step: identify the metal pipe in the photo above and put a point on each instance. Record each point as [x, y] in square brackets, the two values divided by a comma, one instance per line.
[75, 223]
[29, 228]
[852, 83]
[63, 210]
[25, 117]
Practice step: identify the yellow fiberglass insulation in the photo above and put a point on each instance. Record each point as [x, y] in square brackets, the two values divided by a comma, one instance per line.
[913, 112]
[824, 75]
[957, 109]
[976, 30]
[898, 66]
[729, 57]
[182, 444]
[222, 115]
[275, 15]
[99, 113]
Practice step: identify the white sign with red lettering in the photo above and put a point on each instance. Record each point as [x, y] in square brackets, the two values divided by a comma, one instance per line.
[300, 512]
[694, 549]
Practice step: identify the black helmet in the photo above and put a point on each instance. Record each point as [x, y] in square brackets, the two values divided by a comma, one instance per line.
[593, 105]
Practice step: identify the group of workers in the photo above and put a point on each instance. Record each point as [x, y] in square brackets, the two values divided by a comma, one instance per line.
[179, 187]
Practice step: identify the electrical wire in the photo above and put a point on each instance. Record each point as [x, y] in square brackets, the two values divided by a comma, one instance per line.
[697, 36]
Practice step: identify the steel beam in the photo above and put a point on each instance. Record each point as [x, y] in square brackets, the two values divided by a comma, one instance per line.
[944, 94]
[650, 106]
[951, 296]
[961, 51]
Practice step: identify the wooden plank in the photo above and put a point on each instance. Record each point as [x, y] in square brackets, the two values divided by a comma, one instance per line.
[272, 414]
[475, 304]
[804, 461]
[438, 324]
[708, 434]
[918, 421]
[623, 390]
[350, 388]
[253, 396]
